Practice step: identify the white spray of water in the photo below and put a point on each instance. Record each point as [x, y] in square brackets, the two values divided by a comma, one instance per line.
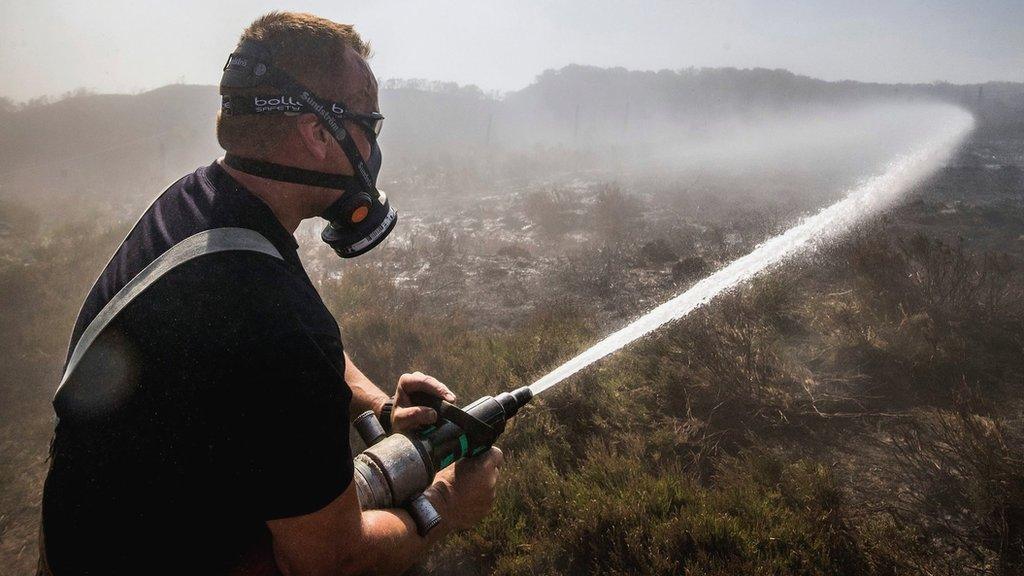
[862, 201]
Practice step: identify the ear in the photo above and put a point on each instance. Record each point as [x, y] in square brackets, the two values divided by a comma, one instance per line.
[315, 138]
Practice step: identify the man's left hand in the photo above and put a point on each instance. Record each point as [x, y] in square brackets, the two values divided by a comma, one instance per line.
[407, 416]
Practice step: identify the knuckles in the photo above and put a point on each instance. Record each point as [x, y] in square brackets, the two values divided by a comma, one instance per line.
[412, 378]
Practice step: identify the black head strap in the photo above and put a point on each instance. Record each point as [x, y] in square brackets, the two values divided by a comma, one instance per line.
[251, 67]
[290, 173]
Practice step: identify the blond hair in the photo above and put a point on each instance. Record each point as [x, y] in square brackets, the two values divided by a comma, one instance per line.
[312, 50]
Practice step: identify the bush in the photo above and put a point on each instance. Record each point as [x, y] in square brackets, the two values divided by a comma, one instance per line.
[691, 268]
[550, 211]
[962, 478]
[615, 214]
[596, 271]
[657, 252]
[931, 315]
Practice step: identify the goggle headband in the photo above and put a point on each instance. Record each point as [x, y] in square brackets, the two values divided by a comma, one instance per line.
[291, 104]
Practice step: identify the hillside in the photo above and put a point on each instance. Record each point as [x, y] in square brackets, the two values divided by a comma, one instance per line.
[119, 150]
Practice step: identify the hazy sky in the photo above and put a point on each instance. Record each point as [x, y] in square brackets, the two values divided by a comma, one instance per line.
[49, 47]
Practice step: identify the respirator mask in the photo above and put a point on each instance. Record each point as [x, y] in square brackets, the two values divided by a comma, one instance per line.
[362, 217]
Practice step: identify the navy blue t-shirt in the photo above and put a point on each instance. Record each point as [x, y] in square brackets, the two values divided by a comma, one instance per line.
[230, 407]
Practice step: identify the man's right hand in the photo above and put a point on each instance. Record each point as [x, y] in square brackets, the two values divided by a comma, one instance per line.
[340, 538]
[466, 489]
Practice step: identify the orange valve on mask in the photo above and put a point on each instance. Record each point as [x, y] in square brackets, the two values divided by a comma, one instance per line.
[359, 214]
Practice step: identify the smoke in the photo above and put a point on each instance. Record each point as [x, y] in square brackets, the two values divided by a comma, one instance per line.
[946, 128]
[856, 139]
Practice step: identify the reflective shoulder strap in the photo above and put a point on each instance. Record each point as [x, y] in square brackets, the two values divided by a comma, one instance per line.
[206, 242]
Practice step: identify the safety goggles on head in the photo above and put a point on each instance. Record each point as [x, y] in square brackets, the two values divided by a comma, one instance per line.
[371, 122]
[362, 217]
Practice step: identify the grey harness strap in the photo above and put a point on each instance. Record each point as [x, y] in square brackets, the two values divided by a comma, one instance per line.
[206, 242]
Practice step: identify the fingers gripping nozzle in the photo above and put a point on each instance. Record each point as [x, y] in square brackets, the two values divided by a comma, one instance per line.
[394, 470]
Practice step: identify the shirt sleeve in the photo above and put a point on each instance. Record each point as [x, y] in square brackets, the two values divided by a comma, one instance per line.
[293, 450]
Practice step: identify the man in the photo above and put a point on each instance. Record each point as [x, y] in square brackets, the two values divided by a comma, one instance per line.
[213, 435]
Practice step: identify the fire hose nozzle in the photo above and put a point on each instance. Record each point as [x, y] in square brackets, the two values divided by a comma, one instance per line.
[395, 470]
[515, 400]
